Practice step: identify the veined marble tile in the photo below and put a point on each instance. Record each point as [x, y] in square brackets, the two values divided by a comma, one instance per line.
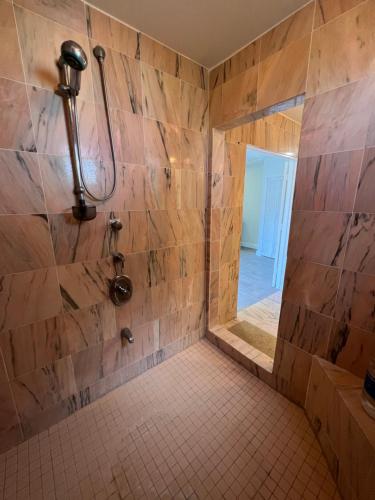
[347, 38]
[132, 187]
[327, 182]
[193, 73]
[147, 342]
[86, 327]
[78, 241]
[167, 297]
[17, 256]
[306, 329]
[165, 264]
[33, 346]
[159, 56]
[21, 188]
[293, 28]
[164, 228]
[133, 237]
[329, 9]
[360, 253]
[288, 67]
[241, 61]
[351, 348]
[16, 130]
[193, 189]
[171, 328]
[84, 284]
[312, 285]
[40, 41]
[216, 76]
[71, 13]
[337, 120]
[138, 311]
[193, 150]
[192, 225]
[10, 57]
[232, 191]
[10, 430]
[292, 369]
[162, 144]
[228, 291]
[319, 237]
[127, 137]
[216, 106]
[111, 33]
[123, 81]
[355, 300]
[136, 267]
[163, 188]
[50, 128]
[58, 182]
[235, 159]
[88, 366]
[194, 108]
[239, 95]
[161, 95]
[44, 387]
[364, 201]
[28, 297]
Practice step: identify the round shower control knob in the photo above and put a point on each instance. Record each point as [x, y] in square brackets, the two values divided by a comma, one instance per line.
[120, 289]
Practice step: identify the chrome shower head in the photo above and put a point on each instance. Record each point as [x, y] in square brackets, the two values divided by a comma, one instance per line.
[73, 55]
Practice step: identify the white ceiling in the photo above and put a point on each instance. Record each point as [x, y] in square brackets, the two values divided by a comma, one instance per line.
[207, 31]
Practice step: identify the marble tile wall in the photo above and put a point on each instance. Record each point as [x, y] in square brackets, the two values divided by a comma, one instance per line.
[59, 333]
[323, 53]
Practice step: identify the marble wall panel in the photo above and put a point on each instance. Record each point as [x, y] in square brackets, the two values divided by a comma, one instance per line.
[10, 57]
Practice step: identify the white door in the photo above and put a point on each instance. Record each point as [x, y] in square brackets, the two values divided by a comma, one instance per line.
[270, 216]
[284, 225]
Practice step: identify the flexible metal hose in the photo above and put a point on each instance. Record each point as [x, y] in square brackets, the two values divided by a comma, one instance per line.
[109, 126]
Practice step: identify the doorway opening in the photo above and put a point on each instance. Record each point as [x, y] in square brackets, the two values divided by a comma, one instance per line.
[269, 179]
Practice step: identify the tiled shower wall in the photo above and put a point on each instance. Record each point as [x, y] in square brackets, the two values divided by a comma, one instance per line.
[325, 51]
[59, 333]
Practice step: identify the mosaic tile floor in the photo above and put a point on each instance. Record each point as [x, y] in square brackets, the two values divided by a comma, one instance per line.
[197, 426]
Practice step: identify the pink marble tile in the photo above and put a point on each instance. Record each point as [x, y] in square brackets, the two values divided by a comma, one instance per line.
[193, 150]
[71, 13]
[17, 256]
[319, 237]
[360, 254]
[21, 188]
[194, 108]
[112, 33]
[337, 120]
[364, 201]
[33, 346]
[15, 122]
[10, 57]
[312, 285]
[306, 329]
[40, 41]
[351, 348]
[27, 297]
[327, 182]
[162, 144]
[50, 128]
[355, 300]
[161, 95]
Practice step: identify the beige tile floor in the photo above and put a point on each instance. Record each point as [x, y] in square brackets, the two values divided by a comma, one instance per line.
[264, 314]
[197, 426]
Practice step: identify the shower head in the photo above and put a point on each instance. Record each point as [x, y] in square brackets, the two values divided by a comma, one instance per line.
[73, 55]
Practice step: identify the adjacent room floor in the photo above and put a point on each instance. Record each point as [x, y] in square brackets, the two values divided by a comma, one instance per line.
[196, 426]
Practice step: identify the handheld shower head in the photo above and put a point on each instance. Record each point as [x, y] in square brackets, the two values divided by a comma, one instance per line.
[73, 55]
